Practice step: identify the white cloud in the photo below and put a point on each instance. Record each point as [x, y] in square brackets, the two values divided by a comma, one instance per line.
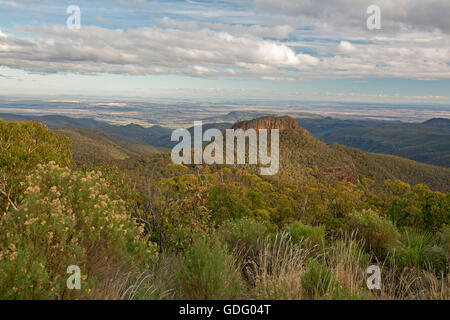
[276, 32]
[413, 43]
[148, 51]
[346, 47]
[391, 59]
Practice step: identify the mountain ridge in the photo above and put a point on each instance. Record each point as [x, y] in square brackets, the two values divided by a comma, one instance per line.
[137, 137]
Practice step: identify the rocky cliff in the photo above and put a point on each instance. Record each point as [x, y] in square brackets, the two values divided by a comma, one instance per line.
[269, 123]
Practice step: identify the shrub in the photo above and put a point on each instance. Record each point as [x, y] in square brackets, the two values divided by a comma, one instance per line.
[378, 233]
[227, 201]
[419, 250]
[23, 145]
[66, 218]
[179, 239]
[312, 235]
[208, 272]
[242, 234]
[421, 208]
[318, 281]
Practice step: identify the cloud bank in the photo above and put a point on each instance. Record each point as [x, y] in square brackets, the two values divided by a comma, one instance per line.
[287, 40]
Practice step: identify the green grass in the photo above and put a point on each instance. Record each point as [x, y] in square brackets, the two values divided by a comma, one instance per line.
[313, 235]
[419, 250]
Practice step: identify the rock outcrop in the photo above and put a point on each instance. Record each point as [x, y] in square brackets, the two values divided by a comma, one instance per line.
[269, 123]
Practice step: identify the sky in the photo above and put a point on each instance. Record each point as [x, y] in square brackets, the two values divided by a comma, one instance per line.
[284, 49]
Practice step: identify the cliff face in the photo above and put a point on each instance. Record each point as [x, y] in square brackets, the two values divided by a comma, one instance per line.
[269, 123]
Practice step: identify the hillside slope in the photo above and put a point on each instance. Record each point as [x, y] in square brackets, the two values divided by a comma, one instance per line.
[427, 142]
[95, 147]
[380, 167]
[303, 156]
[132, 133]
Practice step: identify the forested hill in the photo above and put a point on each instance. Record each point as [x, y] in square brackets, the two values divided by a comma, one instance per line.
[427, 142]
[131, 133]
[438, 122]
[303, 156]
[96, 147]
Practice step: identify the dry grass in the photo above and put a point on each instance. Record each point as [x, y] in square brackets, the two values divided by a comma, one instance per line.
[277, 269]
[155, 283]
[414, 284]
[349, 262]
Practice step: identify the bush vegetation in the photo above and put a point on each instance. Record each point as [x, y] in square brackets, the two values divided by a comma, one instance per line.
[142, 228]
[314, 236]
[418, 250]
[24, 145]
[67, 217]
[318, 280]
[378, 233]
[242, 234]
[208, 272]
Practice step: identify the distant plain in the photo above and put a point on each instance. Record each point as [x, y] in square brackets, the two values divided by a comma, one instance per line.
[182, 113]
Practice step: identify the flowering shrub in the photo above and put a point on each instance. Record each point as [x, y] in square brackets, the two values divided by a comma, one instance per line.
[23, 145]
[66, 217]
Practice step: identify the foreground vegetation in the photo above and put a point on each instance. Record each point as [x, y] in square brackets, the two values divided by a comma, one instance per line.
[147, 229]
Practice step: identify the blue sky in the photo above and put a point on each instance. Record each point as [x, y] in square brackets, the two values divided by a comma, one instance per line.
[288, 49]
